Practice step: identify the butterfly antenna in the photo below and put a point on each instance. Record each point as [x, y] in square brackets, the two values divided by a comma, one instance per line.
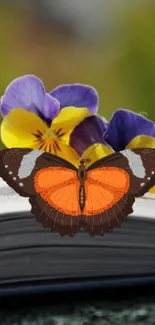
[101, 143]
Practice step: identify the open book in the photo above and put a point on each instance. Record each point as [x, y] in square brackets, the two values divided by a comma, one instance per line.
[34, 258]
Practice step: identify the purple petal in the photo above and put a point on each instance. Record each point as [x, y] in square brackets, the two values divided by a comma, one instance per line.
[77, 95]
[51, 107]
[88, 132]
[26, 92]
[126, 125]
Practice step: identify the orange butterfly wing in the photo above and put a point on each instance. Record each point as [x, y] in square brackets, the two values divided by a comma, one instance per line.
[107, 200]
[59, 191]
[59, 187]
[104, 188]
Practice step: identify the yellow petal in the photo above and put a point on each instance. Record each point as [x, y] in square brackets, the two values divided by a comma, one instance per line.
[18, 127]
[95, 152]
[141, 141]
[67, 153]
[68, 119]
[152, 190]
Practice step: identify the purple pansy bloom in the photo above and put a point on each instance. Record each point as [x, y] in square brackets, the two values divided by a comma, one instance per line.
[36, 119]
[28, 92]
[88, 132]
[76, 95]
[125, 129]
[126, 126]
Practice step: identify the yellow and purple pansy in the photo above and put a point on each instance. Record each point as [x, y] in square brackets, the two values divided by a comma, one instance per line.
[125, 130]
[65, 121]
[36, 119]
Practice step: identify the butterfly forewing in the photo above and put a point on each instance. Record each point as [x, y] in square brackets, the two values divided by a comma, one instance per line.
[138, 163]
[18, 167]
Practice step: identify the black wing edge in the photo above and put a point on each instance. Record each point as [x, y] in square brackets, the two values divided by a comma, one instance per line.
[5, 176]
[118, 155]
[46, 154]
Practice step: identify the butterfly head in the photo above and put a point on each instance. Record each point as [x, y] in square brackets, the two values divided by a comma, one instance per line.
[83, 162]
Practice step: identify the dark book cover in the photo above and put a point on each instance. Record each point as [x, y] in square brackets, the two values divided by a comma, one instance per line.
[33, 258]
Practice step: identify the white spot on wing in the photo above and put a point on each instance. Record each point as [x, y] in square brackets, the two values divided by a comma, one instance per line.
[28, 163]
[135, 163]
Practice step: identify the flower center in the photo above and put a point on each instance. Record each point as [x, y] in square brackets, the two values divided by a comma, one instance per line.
[49, 134]
[48, 141]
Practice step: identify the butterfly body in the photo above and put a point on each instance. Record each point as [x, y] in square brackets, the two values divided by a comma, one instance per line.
[65, 198]
[82, 176]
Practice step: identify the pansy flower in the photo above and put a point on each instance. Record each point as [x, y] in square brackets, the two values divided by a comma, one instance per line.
[125, 130]
[36, 119]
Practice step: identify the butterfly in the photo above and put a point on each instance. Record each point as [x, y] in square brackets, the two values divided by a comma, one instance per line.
[65, 198]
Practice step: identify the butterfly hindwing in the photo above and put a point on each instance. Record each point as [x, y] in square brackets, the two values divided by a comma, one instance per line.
[63, 223]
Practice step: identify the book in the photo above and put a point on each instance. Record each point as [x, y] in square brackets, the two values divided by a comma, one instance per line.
[32, 258]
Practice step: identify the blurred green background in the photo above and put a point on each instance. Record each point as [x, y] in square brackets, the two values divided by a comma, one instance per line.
[108, 44]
